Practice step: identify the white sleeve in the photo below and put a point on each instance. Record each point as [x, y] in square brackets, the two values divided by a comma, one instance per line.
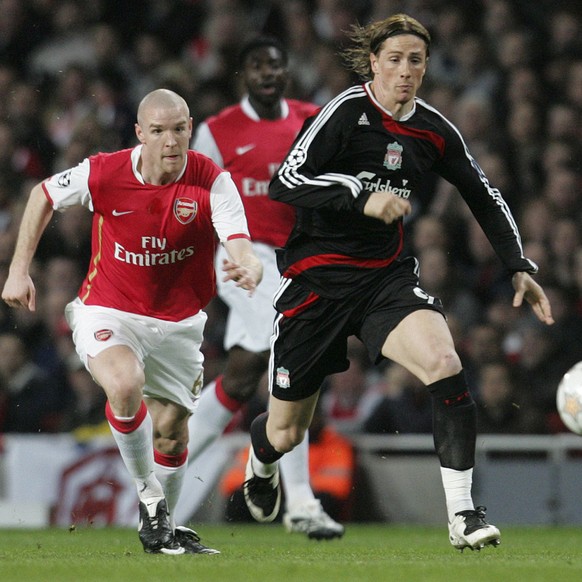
[228, 215]
[205, 143]
[70, 187]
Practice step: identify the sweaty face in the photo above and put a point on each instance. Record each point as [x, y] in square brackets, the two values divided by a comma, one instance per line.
[165, 133]
[398, 70]
[265, 75]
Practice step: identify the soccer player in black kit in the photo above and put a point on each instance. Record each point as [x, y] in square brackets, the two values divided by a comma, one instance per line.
[351, 175]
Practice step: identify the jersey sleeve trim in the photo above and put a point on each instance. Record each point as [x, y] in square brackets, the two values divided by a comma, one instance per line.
[239, 235]
[46, 193]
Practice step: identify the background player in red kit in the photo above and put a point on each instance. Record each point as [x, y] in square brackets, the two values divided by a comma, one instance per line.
[249, 140]
[137, 321]
[352, 175]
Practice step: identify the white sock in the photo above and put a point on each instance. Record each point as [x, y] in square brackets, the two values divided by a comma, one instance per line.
[261, 469]
[137, 451]
[171, 479]
[208, 422]
[457, 485]
[295, 475]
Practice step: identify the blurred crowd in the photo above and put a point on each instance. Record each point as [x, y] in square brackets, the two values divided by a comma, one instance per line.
[508, 73]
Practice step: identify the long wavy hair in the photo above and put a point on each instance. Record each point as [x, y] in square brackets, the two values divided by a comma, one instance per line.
[369, 39]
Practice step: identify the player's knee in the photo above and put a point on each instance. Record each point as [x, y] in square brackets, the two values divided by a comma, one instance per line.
[241, 388]
[286, 440]
[170, 437]
[124, 398]
[442, 364]
[243, 374]
[170, 446]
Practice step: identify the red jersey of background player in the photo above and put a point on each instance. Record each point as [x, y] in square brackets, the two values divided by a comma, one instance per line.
[251, 149]
[148, 239]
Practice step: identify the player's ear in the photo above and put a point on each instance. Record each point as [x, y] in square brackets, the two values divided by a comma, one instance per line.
[373, 63]
[139, 133]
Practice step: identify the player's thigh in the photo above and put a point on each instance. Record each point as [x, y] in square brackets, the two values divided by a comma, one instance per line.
[118, 370]
[175, 368]
[423, 344]
[110, 343]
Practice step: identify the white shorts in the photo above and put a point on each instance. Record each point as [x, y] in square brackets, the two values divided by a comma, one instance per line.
[168, 351]
[250, 319]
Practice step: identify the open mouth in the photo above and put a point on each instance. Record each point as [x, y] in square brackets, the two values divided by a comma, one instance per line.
[269, 89]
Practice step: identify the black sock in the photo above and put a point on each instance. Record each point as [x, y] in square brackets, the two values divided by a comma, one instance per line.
[264, 450]
[454, 422]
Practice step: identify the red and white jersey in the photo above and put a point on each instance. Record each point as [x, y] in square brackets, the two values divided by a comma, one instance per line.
[251, 149]
[152, 246]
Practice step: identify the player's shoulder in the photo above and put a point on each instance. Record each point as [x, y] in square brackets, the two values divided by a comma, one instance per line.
[226, 116]
[197, 159]
[114, 159]
[116, 155]
[201, 169]
[302, 108]
[349, 102]
[345, 110]
[354, 94]
[430, 115]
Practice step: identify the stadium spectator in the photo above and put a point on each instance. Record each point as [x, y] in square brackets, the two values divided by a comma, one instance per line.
[302, 42]
[249, 140]
[427, 232]
[33, 401]
[137, 321]
[562, 246]
[404, 408]
[84, 415]
[501, 407]
[71, 104]
[438, 277]
[67, 44]
[350, 175]
[541, 363]
[348, 398]
[562, 189]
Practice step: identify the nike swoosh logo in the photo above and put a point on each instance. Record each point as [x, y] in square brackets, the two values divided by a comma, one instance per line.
[244, 149]
[121, 213]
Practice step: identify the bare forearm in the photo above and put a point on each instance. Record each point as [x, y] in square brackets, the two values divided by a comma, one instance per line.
[244, 267]
[37, 215]
[19, 289]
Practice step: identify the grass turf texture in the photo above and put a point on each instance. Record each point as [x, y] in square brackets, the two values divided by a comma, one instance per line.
[267, 552]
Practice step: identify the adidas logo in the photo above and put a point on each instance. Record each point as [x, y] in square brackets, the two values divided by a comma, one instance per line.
[363, 120]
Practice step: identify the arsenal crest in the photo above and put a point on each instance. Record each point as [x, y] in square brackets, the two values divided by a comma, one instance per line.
[103, 335]
[185, 209]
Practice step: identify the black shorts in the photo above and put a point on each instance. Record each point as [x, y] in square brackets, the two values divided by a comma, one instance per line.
[311, 332]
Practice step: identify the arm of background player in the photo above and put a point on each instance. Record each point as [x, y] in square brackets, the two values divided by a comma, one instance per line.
[19, 289]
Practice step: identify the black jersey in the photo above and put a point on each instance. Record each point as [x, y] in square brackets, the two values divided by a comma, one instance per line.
[353, 147]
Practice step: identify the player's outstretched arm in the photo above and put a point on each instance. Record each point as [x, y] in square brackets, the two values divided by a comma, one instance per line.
[526, 288]
[244, 267]
[19, 289]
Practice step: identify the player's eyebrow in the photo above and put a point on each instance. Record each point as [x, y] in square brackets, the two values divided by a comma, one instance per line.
[154, 125]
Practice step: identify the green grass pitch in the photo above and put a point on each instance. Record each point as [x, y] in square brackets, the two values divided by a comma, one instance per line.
[257, 553]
